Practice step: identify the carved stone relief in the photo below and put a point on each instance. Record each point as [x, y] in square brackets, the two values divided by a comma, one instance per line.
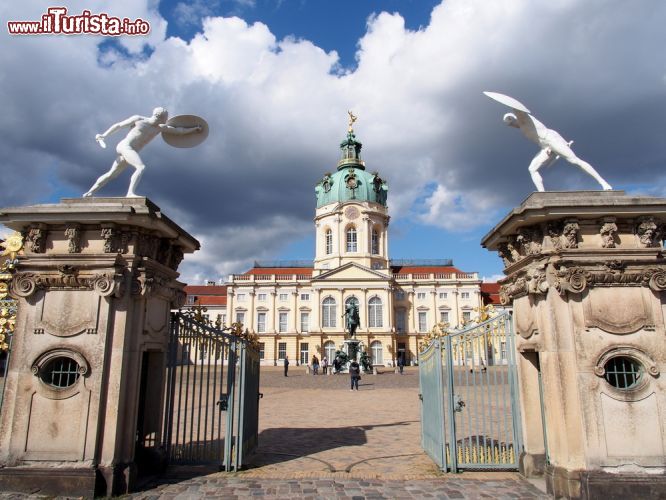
[604, 311]
[115, 241]
[607, 231]
[36, 240]
[648, 233]
[67, 277]
[73, 234]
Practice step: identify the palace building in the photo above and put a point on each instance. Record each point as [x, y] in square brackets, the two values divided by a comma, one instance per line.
[296, 307]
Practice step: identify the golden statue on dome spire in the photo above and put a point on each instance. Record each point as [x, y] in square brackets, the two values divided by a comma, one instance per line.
[352, 119]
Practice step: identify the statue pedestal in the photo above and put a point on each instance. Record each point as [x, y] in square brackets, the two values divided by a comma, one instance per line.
[351, 347]
[586, 275]
[84, 391]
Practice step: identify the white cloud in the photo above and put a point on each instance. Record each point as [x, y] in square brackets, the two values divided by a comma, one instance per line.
[277, 110]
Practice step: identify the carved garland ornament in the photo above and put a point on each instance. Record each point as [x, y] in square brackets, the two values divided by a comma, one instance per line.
[577, 279]
[104, 284]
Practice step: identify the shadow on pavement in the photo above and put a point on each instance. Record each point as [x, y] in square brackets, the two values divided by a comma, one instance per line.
[282, 444]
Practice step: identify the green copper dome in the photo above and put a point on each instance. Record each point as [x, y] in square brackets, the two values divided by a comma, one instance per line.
[351, 182]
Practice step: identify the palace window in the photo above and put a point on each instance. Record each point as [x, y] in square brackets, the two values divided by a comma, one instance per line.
[351, 239]
[503, 350]
[261, 297]
[375, 242]
[261, 322]
[240, 297]
[443, 295]
[375, 313]
[329, 350]
[423, 321]
[191, 299]
[421, 295]
[262, 350]
[467, 316]
[400, 320]
[444, 316]
[282, 322]
[464, 295]
[305, 350]
[240, 317]
[282, 350]
[305, 297]
[305, 322]
[328, 313]
[377, 353]
[283, 297]
[329, 242]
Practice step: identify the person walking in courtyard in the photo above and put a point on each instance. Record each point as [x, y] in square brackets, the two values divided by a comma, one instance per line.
[355, 374]
[324, 365]
[401, 363]
[315, 365]
[286, 365]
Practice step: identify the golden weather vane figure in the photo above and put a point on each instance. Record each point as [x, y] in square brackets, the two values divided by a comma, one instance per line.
[352, 119]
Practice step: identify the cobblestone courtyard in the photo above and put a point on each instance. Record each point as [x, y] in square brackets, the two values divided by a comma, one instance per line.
[318, 439]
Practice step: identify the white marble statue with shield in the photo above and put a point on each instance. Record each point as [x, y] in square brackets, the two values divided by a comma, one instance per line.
[553, 146]
[184, 131]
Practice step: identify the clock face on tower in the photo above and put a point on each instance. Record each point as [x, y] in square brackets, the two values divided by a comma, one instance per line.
[352, 213]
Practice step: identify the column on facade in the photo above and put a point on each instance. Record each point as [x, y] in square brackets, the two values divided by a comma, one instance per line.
[338, 236]
[390, 312]
[251, 322]
[294, 303]
[412, 313]
[368, 235]
[434, 320]
[318, 243]
[456, 305]
[384, 239]
[367, 309]
[340, 300]
[231, 316]
[272, 328]
[315, 325]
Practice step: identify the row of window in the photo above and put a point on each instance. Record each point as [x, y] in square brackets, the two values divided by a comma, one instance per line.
[329, 317]
[399, 295]
[262, 297]
[352, 241]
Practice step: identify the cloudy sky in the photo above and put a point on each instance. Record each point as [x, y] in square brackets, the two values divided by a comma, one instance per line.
[275, 78]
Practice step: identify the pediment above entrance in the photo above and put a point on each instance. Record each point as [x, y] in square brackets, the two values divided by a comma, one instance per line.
[352, 272]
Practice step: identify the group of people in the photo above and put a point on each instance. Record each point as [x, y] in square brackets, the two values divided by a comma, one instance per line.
[315, 365]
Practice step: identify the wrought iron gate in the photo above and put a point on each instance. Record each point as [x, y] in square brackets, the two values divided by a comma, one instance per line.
[469, 413]
[212, 395]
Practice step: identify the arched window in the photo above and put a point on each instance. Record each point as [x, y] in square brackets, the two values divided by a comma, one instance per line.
[351, 239]
[375, 312]
[329, 350]
[329, 242]
[377, 353]
[328, 313]
[375, 242]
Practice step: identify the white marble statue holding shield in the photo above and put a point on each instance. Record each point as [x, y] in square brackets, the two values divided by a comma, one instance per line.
[552, 144]
[181, 131]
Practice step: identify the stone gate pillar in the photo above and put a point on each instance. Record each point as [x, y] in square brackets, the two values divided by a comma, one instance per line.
[84, 391]
[586, 273]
